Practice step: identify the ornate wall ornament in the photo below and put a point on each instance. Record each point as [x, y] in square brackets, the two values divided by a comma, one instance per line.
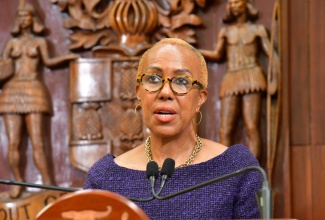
[128, 25]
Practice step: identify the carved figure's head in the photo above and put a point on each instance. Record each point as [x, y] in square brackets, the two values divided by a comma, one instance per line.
[236, 8]
[26, 18]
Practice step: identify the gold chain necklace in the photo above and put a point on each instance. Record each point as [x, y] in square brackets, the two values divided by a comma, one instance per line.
[189, 161]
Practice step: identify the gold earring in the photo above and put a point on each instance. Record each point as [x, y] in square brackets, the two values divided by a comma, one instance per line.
[136, 112]
[199, 120]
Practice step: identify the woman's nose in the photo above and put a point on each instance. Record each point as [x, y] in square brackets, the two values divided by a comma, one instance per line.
[166, 91]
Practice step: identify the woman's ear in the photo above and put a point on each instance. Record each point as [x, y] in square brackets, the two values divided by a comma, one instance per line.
[137, 87]
[202, 98]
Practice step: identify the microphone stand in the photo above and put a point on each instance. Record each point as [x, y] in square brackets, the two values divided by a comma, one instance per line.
[263, 197]
[39, 186]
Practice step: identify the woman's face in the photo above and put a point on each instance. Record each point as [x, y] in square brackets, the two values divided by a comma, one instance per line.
[237, 7]
[164, 112]
[25, 19]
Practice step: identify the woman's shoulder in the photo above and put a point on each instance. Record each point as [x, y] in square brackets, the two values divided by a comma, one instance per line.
[237, 155]
[103, 163]
[211, 149]
[133, 159]
[241, 156]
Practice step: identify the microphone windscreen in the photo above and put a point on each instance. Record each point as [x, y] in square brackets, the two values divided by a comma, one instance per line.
[152, 169]
[168, 167]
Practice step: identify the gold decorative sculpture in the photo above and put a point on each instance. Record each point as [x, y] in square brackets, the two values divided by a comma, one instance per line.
[24, 99]
[244, 83]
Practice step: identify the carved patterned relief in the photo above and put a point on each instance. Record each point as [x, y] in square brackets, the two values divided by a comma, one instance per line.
[87, 125]
[131, 22]
[130, 126]
[131, 130]
[128, 71]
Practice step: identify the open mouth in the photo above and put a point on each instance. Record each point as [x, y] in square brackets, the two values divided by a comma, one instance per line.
[164, 114]
[165, 111]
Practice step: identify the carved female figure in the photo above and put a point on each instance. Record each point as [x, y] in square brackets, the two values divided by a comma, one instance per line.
[244, 82]
[24, 99]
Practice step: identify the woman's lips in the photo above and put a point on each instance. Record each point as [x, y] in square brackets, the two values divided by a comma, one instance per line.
[165, 114]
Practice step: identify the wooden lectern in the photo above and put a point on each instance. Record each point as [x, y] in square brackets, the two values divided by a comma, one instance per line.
[92, 205]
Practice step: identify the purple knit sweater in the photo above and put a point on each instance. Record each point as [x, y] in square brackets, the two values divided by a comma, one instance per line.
[233, 198]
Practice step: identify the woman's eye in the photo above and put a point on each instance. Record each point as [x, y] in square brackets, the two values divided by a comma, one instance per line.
[154, 79]
[181, 81]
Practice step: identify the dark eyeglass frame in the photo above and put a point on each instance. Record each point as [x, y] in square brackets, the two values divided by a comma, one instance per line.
[163, 80]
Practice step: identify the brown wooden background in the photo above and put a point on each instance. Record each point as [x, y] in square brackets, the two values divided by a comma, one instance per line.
[306, 64]
[299, 177]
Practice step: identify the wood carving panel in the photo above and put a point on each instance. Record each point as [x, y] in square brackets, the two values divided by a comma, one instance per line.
[102, 102]
[90, 89]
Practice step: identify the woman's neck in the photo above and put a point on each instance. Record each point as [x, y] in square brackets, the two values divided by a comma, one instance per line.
[178, 148]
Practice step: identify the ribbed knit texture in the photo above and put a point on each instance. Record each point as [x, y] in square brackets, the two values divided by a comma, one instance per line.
[233, 198]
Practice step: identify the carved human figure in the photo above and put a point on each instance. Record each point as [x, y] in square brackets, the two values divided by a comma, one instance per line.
[24, 99]
[244, 82]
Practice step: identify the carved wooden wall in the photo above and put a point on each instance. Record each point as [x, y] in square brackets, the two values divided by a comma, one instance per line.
[299, 192]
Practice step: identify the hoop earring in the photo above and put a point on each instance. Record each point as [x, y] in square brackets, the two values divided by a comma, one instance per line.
[199, 120]
[136, 112]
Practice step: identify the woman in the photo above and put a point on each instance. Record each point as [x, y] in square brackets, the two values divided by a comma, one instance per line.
[244, 83]
[24, 99]
[172, 82]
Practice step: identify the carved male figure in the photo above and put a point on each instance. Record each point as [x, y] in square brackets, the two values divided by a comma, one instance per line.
[244, 82]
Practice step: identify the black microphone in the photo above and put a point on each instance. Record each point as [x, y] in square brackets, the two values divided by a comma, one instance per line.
[39, 186]
[167, 171]
[152, 172]
[263, 196]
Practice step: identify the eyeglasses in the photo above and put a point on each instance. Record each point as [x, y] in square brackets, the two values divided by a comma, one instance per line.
[180, 85]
